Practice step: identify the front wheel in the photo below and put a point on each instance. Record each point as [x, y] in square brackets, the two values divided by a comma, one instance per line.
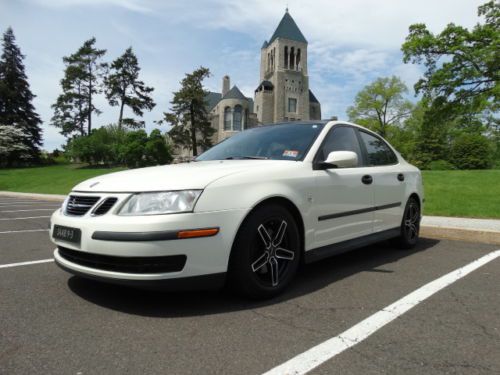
[410, 225]
[266, 252]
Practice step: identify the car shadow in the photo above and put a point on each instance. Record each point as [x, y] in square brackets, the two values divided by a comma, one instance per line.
[311, 277]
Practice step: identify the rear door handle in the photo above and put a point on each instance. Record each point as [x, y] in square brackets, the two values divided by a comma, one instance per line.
[401, 177]
[366, 179]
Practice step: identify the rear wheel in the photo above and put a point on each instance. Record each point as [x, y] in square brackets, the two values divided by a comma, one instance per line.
[266, 252]
[410, 225]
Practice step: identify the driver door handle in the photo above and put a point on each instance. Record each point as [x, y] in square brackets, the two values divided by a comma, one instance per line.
[367, 179]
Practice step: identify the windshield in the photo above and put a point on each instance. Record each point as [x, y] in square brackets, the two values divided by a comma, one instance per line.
[278, 142]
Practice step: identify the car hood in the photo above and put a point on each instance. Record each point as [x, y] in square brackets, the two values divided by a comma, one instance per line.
[196, 175]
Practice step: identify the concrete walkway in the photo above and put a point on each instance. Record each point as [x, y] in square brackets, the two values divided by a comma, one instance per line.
[450, 228]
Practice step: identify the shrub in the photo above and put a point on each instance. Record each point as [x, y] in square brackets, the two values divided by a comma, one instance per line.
[111, 145]
[471, 151]
[440, 165]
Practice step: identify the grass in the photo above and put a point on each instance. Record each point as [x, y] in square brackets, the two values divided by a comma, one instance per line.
[462, 193]
[54, 179]
[447, 193]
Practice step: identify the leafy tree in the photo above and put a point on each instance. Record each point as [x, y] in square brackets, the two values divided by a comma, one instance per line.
[123, 88]
[13, 145]
[16, 107]
[462, 66]
[82, 80]
[189, 114]
[157, 150]
[381, 105]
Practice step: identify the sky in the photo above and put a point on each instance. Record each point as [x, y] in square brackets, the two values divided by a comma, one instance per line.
[351, 43]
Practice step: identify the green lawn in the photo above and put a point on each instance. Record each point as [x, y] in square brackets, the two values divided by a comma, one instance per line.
[462, 193]
[447, 193]
[56, 179]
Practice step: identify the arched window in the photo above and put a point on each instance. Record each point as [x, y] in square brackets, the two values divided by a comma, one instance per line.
[237, 117]
[227, 118]
[286, 57]
[292, 58]
[297, 60]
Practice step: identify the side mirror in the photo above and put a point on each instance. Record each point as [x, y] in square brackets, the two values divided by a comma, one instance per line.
[340, 159]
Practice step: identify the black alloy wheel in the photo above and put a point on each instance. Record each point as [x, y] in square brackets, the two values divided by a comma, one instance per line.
[266, 252]
[410, 226]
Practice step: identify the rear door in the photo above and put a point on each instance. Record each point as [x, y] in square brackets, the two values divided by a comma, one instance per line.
[342, 202]
[388, 181]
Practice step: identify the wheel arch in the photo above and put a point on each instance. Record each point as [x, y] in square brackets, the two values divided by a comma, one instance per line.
[290, 206]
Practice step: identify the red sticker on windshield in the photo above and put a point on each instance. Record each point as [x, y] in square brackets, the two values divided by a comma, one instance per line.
[290, 153]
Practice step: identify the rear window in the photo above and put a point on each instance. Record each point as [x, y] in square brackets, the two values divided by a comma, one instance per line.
[379, 153]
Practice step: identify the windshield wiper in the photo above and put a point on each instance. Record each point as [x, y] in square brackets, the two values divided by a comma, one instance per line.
[246, 157]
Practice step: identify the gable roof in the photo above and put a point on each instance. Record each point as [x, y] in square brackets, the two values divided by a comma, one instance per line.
[212, 98]
[288, 29]
[312, 98]
[234, 93]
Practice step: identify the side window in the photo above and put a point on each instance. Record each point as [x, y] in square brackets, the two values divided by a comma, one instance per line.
[378, 151]
[341, 138]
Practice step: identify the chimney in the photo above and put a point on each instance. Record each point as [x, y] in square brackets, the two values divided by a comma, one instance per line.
[225, 85]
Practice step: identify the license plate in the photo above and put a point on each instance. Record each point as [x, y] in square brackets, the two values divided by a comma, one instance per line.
[67, 234]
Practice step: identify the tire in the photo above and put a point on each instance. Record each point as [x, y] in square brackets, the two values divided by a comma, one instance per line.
[410, 225]
[266, 253]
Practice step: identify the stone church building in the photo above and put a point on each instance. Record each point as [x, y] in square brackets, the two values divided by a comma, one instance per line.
[283, 93]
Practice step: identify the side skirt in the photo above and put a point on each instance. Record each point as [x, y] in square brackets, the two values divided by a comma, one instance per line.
[319, 253]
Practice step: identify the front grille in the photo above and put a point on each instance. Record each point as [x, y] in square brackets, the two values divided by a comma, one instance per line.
[170, 263]
[105, 206]
[79, 205]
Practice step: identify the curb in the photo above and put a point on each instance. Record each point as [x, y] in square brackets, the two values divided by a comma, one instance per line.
[460, 234]
[49, 197]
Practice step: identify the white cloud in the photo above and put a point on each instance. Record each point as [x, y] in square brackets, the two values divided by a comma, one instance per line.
[132, 5]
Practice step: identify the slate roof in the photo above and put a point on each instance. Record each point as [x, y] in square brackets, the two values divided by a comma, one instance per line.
[288, 29]
[234, 93]
[312, 98]
[264, 45]
[212, 99]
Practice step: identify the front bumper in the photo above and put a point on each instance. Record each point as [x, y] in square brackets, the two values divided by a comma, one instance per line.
[206, 257]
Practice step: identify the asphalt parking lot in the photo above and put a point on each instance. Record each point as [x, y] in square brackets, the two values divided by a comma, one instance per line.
[54, 323]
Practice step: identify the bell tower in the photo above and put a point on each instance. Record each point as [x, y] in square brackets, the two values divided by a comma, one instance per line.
[283, 92]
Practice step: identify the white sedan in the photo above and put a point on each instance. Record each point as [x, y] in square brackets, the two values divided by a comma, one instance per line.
[245, 213]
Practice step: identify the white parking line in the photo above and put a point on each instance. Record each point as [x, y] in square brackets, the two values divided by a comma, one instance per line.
[26, 263]
[24, 230]
[23, 218]
[34, 209]
[312, 358]
[29, 204]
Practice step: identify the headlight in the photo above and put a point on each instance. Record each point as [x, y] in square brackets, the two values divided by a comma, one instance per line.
[165, 202]
[65, 203]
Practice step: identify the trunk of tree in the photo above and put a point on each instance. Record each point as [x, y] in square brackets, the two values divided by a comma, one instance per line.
[90, 102]
[121, 114]
[193, 131]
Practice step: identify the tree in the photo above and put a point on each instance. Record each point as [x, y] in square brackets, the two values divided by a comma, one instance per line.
[13, 145]
[381, 105]
[157, 150]
[16, 107]
[189, 115]
[462, 66]
[123, 88]
[82, 80]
